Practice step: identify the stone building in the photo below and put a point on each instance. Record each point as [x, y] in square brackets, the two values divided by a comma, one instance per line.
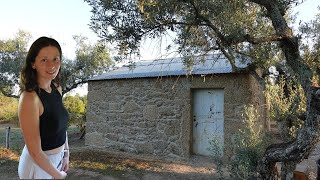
[166, 109]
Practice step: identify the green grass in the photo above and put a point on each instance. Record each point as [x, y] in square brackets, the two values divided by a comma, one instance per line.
[16, 138]
[16, 142]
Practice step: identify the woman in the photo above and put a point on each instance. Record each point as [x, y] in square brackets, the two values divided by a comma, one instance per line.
[43, 118]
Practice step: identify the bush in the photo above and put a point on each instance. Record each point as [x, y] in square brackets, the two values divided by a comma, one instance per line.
[248, 148]
[287, 107]
[8, 110]
[76, 106]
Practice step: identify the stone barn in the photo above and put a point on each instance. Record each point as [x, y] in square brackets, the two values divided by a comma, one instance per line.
[165, 109]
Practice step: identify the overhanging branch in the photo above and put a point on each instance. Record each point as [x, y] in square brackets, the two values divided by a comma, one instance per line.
[75, 85]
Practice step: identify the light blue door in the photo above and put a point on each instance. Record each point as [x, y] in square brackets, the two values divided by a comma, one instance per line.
[208, 120]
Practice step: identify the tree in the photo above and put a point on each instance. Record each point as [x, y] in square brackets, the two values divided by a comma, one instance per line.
[311, 44]
[12, 53]
[91, 59]
[255, 30]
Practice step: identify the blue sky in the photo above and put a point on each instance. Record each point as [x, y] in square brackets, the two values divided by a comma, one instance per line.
[62, 19]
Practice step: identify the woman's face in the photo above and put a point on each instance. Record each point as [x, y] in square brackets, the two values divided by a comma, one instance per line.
[47, 63]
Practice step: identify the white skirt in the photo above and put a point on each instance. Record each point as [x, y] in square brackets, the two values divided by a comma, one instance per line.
[28, 169]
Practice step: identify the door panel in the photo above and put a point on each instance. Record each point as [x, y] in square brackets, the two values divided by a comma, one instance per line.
[208, 120]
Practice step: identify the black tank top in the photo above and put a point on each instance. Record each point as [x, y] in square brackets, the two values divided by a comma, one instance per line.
[53, 121]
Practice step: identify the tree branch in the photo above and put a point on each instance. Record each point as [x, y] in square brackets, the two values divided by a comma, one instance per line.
[75, 85]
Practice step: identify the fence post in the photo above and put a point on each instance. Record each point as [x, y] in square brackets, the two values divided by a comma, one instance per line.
[7, 137]
[318, 169]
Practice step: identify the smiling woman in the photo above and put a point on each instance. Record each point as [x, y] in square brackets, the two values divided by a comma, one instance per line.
[42, 115]
[47, 66]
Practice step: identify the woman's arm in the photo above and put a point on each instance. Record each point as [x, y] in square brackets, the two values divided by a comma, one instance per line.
[28, 113]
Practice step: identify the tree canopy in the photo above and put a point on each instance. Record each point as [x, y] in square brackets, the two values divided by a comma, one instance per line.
[90, 60]
[255, 30]
[12, 55]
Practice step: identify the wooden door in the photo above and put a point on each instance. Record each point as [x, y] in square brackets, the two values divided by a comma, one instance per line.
[208, 120]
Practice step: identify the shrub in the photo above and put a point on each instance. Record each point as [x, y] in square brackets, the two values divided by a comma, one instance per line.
[287, 107]
[76, 106]
[248, 148]
[8, 110]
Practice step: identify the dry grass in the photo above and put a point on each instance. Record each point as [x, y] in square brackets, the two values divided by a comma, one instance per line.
[9, 154]
[93, 163]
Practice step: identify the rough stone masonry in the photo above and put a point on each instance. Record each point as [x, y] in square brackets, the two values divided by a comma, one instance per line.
[153, 116]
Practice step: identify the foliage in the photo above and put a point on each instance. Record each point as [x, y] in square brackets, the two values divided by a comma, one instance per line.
[200, 27]
[76, 107]
[8, 109]
[248, 147]
[217, 154]
[310, 45]
[91, 59]
[74, 104]
[287, 106]
[12, 53]
[257, 31]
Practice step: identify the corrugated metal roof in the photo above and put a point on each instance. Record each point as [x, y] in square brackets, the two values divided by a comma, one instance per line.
[213, 64]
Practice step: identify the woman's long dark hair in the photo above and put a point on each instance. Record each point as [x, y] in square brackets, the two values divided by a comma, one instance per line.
[28, 76]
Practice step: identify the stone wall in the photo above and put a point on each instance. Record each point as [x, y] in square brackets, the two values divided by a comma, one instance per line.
[153, 116]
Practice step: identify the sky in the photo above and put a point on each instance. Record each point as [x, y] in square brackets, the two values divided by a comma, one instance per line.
[61, 19]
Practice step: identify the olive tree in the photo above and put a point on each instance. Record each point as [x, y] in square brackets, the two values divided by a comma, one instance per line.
[90, 60]
[255, 30]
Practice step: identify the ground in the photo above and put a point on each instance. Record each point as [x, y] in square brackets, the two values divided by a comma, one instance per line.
[94, 163]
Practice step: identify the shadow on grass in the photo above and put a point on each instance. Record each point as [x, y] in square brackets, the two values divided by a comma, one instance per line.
[86, 163]
[117, 167]
[9, 161]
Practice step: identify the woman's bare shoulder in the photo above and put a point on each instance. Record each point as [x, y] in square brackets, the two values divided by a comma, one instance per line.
[27, 96]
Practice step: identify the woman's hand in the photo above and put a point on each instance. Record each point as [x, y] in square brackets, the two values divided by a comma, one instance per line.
[63, 175]
[65, 161]
[65, 164]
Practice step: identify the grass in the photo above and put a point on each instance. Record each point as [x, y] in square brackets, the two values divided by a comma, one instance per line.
[9, 158]
[90, 162]
[16, 139]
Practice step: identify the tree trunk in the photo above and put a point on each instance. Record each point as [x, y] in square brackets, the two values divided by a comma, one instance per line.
[308, 135]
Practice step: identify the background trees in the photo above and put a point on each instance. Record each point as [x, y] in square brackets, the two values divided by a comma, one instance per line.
[91, 59]
[12, 54]
[253, 30]
[76, 107]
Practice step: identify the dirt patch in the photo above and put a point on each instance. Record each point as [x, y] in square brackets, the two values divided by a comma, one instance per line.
[102, 164]
[133, 168]
[97, 163]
